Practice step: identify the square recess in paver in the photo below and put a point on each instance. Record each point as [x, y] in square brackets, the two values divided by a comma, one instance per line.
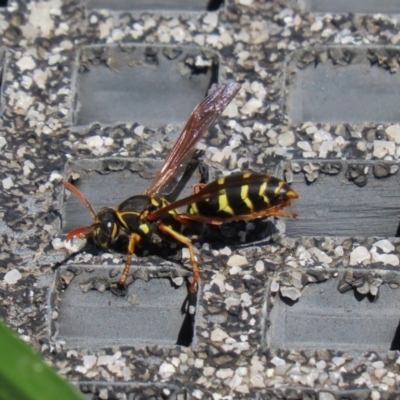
[351, 6]
[155, 5]
[337, 310]
[133, 391]
[341, 84]
[345, 199]
[153, 312]
[151, 85]
[107, 182]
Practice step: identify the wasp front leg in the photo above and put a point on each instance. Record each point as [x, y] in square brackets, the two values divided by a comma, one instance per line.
[197, 187]
[187, 242]
[134, 239]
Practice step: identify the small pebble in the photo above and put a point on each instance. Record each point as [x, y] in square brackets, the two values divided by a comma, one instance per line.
[224, 373]
[393, 132]
[358, 255]
[259, 266]
[252, 106]
[380, 373]
[237, 260]
[104, 360]
[387, 259]
[94, 141]
[378, 364]
[384, 245]
[339, 251]
[321, 256]
[286, 139]
[383, 148]
[278, 361]
[338, 361]
[26, 63]
[12, 277]
[375, 395]
[178, 281]
[235, 270]
[166, 370]
[316, 26]
[326, 396]
[218, 335]
[89, 361]
[274, 287]
[7, 183]
[291, 293]
[58, 244]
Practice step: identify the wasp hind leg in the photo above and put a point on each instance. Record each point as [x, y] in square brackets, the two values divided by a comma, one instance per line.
[269, 212]
[134, 239]
[187, 242]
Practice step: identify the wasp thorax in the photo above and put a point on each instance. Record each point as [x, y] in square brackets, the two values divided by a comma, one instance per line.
[106, 230]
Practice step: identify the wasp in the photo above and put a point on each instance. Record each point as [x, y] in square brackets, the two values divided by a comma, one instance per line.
[240, 196]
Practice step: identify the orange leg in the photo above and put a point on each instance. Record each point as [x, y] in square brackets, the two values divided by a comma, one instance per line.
[187, 242]
[274, 211]
[134, 238]
[197, 187]
[183, 218]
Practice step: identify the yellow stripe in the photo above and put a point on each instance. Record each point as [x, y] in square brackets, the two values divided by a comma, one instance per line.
[221, 180]
[261, 193]
[193, 209]
[144, 228]
[174, 213]
[121, 216]
[164, 202]
[114, 231]
[246, 175]
[244, 195]
[244, 192]
[155, 202]
[224, 204]
[279, 187]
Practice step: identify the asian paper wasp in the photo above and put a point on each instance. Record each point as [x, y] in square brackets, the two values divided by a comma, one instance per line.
[240, 196]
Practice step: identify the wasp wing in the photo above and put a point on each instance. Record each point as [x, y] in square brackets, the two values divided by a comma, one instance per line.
[199, 121]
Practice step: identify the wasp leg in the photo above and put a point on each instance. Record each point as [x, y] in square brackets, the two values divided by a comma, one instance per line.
[269, 212]
[187, 242]
[197, 187]
[134, 238]
[183, 218]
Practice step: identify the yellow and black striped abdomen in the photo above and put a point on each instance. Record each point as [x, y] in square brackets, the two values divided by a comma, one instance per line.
[241, 194]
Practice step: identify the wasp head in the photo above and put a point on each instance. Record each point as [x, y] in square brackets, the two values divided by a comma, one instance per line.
[105, 230]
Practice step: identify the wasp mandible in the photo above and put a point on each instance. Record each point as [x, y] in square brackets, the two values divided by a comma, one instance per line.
[240, 196]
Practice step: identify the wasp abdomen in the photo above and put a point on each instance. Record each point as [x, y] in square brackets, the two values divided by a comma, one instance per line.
[242, 194]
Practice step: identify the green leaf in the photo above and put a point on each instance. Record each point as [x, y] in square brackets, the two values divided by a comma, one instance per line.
[25, 376]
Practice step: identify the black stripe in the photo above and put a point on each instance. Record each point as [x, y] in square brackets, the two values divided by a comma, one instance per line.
[209, 208]
[257, 200]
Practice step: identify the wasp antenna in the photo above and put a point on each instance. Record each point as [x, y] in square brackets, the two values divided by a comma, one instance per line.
[85, 231]
[82, 198]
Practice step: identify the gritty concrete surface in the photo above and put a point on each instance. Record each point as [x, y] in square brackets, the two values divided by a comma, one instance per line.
[285, 309]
